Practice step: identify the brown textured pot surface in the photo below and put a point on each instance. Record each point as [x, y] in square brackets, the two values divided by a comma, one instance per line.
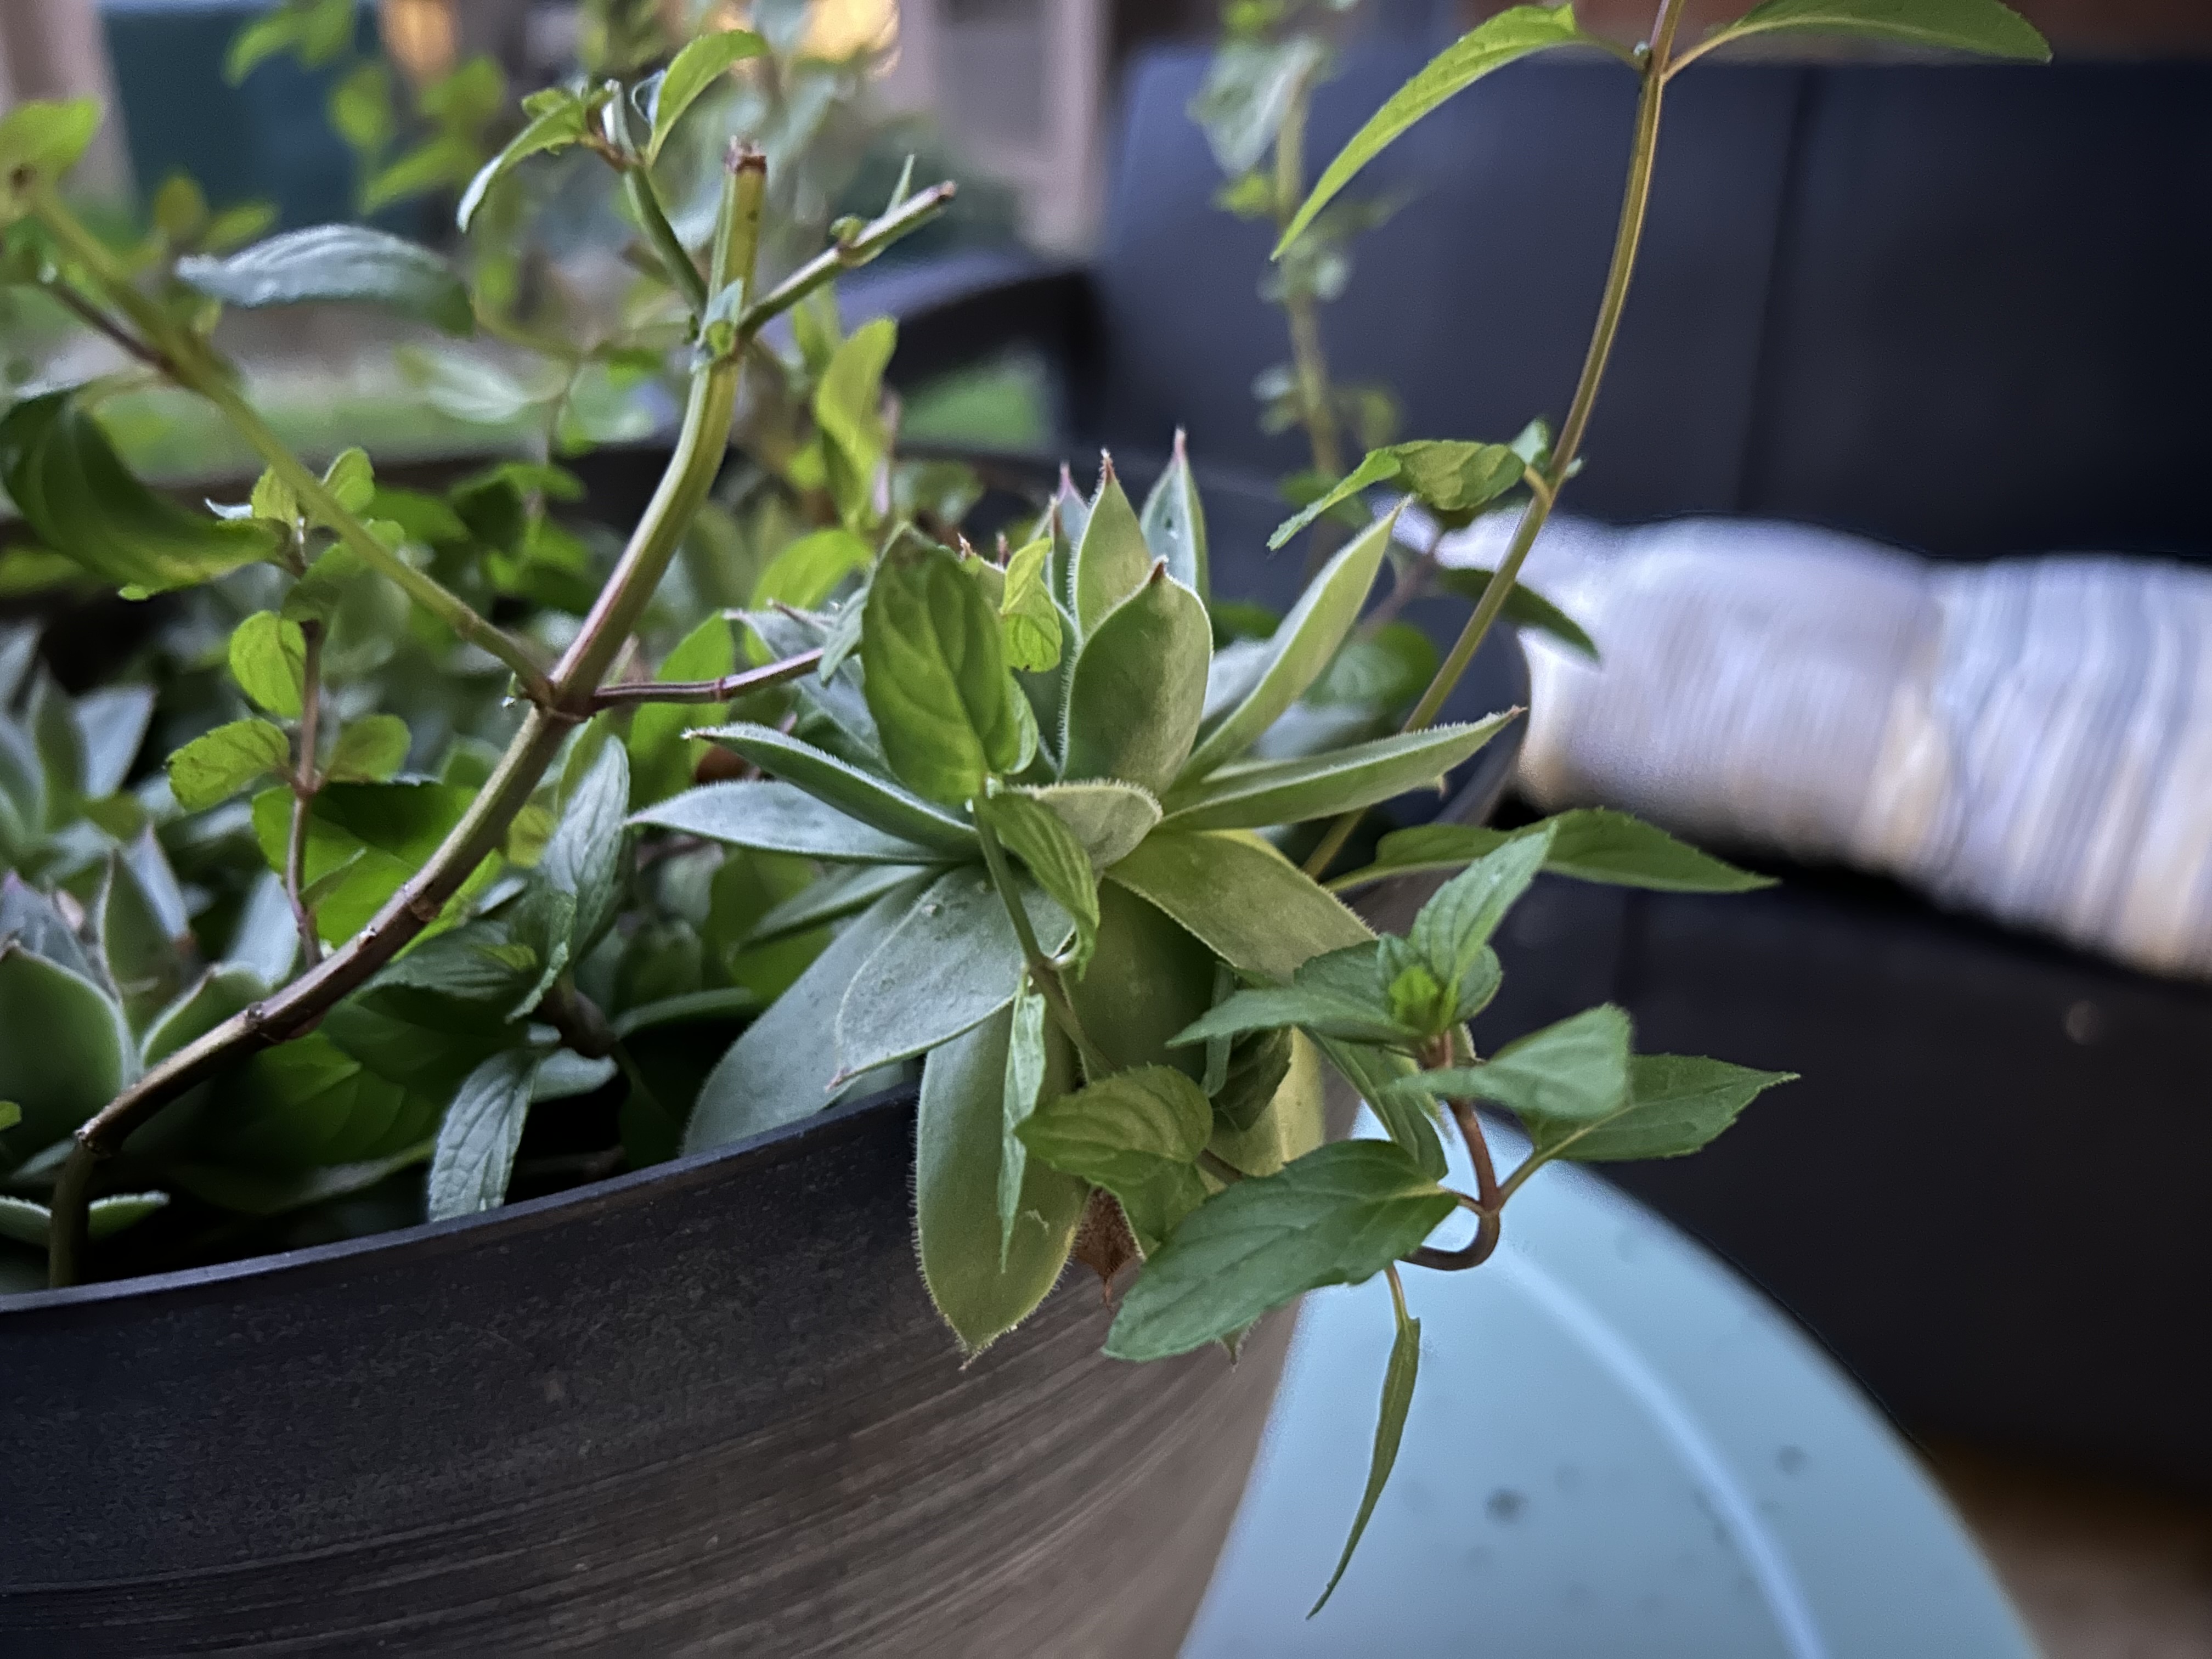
[706, 1409]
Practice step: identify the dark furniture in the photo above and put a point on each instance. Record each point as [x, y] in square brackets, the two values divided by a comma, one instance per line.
[1961, 309]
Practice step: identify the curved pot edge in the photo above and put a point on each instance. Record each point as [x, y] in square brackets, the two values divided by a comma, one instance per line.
[431, 1239]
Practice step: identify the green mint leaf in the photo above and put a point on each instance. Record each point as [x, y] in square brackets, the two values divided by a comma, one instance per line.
[1374, 1072]
[1336, 1216]
[1452, 931]
[1590, 843]
[1333, 994]
[780, 818]
[662, 756]
[561, 120]
[1510, 35]
[696, 68]
[935, 676]
[848, 410]
[1675, 1104]
[273, 499]
[585, 857]
[1137, 1134]
[269, 660]
[352, 480]
[1575, 1072]
[335, 263]
[476, 1141]
[862, 795]
[1390, 1430]
[216, 764]
[1376, 466]
[1455, 480]
[1257, 1064]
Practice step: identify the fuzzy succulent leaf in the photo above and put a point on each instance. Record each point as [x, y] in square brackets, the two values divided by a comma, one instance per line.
[64, 1049]
[860, 795]
[1256, 794]
[781, 818]
[951, 962]
[1107, 818]
[982, 1285]
[945, 708]
[1139, 689]
[1301, 648]
[1111, 559]
[1174, 523]
[1251, 906]
[1029, 1046]
[780, 1070]
[1055, 858]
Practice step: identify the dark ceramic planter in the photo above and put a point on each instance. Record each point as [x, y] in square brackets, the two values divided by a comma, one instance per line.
[704, 1409]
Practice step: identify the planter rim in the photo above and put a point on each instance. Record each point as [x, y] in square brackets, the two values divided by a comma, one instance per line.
[430, 1240]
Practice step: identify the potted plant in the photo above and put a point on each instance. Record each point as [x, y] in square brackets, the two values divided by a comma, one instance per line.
[996, 857]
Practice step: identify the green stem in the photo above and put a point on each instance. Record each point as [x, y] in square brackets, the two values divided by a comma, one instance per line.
[305, 783]
[682, 271]
[1308, 360]
[864, 246]
[192, 365]
[1636, 200]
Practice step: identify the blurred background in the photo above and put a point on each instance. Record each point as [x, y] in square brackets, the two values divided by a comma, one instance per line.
[1886, 542]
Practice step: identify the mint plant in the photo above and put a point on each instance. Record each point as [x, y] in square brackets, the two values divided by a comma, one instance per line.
[491, 817]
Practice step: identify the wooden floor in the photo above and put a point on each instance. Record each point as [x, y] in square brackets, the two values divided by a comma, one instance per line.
[2100, 1572]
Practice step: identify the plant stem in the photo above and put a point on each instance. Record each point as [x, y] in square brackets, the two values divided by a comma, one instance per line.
[870, 240]
[1043, 971]
[726, 689]
[192, 365]
[1308, 360]
[300, 1005]
[682, 271]
[1488, 1201]
[1636, 199]
[305, 783]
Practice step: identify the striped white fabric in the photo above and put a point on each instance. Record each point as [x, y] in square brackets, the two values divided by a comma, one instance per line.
[2030, 738]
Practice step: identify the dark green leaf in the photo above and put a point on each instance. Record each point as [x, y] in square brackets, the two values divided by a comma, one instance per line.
[268, 658]
[216, 764]
[76, 493]
[1452, 931]
[1675, 1104]
[1575, 1072]
[947, 711]
[1137, 1134]
[370, 750]
[1250, 905]
[951, 963]
[1336, 1216]
[1524, 606]
[1139, 689]
[983, 1289]
[1374, 1073]
[1390, 1430]
[862, 796]
[475, 1154]
[327, 263]
[1492, 45]
[1257, 1066]
[225, 989]
[1335, 994]
[780, 818]
[1978, 26]
[1303, 647]
[662, 758]
[829, 898]
[1036, 835]
[696, 68]
[1111, 559]
[1174, 523]
[1259, 794]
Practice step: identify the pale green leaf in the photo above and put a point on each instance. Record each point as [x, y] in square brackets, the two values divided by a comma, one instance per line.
[1374, 1072]
[1335, 995]
[848, 410]
[1027, 614]
[476, 1141]
[65, 1050]
[1258, 793]
[555, 127]
[334, 262]
[216, 764]
[935, 676]
[1139, 687]
[780, 818]
[1301, 647]
[1376, 466]
[662, 758]
[1174, 522]
[808, 571]
[1336, 1216]
[694, 68]
[1491, 46]
[1250, 905]
[1056, 861]
[585, 857]
[1588, 843]
[1109, 818]
[981, 1286]
[1111, 559]
[1028, 1057]
[370, 750]
[871, 800]
[1454, 928]
[268, 658]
